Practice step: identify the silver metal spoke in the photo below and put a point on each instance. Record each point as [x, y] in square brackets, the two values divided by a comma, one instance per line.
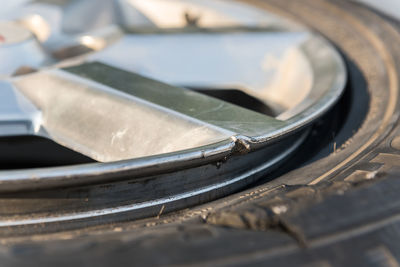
[99, 122]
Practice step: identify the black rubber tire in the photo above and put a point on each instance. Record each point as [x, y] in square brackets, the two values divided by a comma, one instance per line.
[342, 209]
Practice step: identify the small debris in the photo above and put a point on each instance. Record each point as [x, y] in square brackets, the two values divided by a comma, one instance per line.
[360, 176]
[161, 211]
[279, 209]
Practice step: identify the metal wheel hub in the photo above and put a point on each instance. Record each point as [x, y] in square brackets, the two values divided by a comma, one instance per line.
[173, 103]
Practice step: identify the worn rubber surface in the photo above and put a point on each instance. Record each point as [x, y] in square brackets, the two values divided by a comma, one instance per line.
[340, 209]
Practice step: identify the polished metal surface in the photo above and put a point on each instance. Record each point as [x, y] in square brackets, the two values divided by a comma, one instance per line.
[108, 80]
[19, 48]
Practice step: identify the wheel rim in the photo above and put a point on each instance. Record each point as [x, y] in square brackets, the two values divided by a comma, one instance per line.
[232, 143]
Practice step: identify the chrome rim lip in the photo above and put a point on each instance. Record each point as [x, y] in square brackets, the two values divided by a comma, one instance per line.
[88, 173]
